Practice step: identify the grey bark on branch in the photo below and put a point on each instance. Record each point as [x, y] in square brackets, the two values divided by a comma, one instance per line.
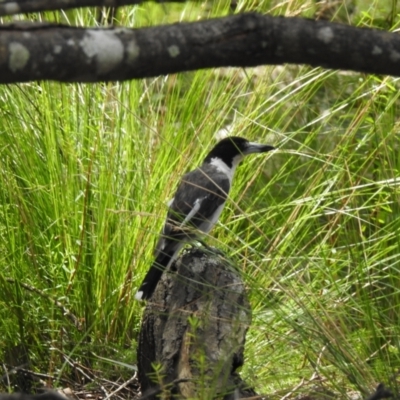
[30, 52]
[194, 328]
[11, 7]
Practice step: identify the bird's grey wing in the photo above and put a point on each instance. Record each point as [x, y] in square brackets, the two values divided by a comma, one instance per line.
[192, 204]
[173, 231]
[198, 196]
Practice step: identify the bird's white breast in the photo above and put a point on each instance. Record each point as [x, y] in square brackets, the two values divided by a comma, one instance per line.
[223, 168]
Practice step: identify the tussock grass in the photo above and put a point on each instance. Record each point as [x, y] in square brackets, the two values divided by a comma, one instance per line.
[86, 170]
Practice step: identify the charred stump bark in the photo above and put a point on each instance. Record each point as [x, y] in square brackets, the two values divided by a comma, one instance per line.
[194, 331]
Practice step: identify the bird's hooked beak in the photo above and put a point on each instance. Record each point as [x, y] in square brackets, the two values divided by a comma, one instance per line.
[257, 148]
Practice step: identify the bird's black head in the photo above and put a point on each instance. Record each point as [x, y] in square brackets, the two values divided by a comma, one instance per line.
[232, 149]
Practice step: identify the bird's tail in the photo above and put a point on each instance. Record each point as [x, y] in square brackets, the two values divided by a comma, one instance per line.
[153, 276]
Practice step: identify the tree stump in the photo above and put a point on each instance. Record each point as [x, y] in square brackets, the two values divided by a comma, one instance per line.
[193, 331]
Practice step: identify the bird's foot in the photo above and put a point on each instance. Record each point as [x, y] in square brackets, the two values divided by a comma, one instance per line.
[209, 249]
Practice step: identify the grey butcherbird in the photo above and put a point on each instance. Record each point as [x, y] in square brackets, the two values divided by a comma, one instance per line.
[197, 205]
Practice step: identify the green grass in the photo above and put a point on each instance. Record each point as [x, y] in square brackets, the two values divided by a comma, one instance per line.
[86, 170]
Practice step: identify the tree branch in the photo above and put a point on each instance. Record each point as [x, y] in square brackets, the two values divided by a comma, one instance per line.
[69, 54]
